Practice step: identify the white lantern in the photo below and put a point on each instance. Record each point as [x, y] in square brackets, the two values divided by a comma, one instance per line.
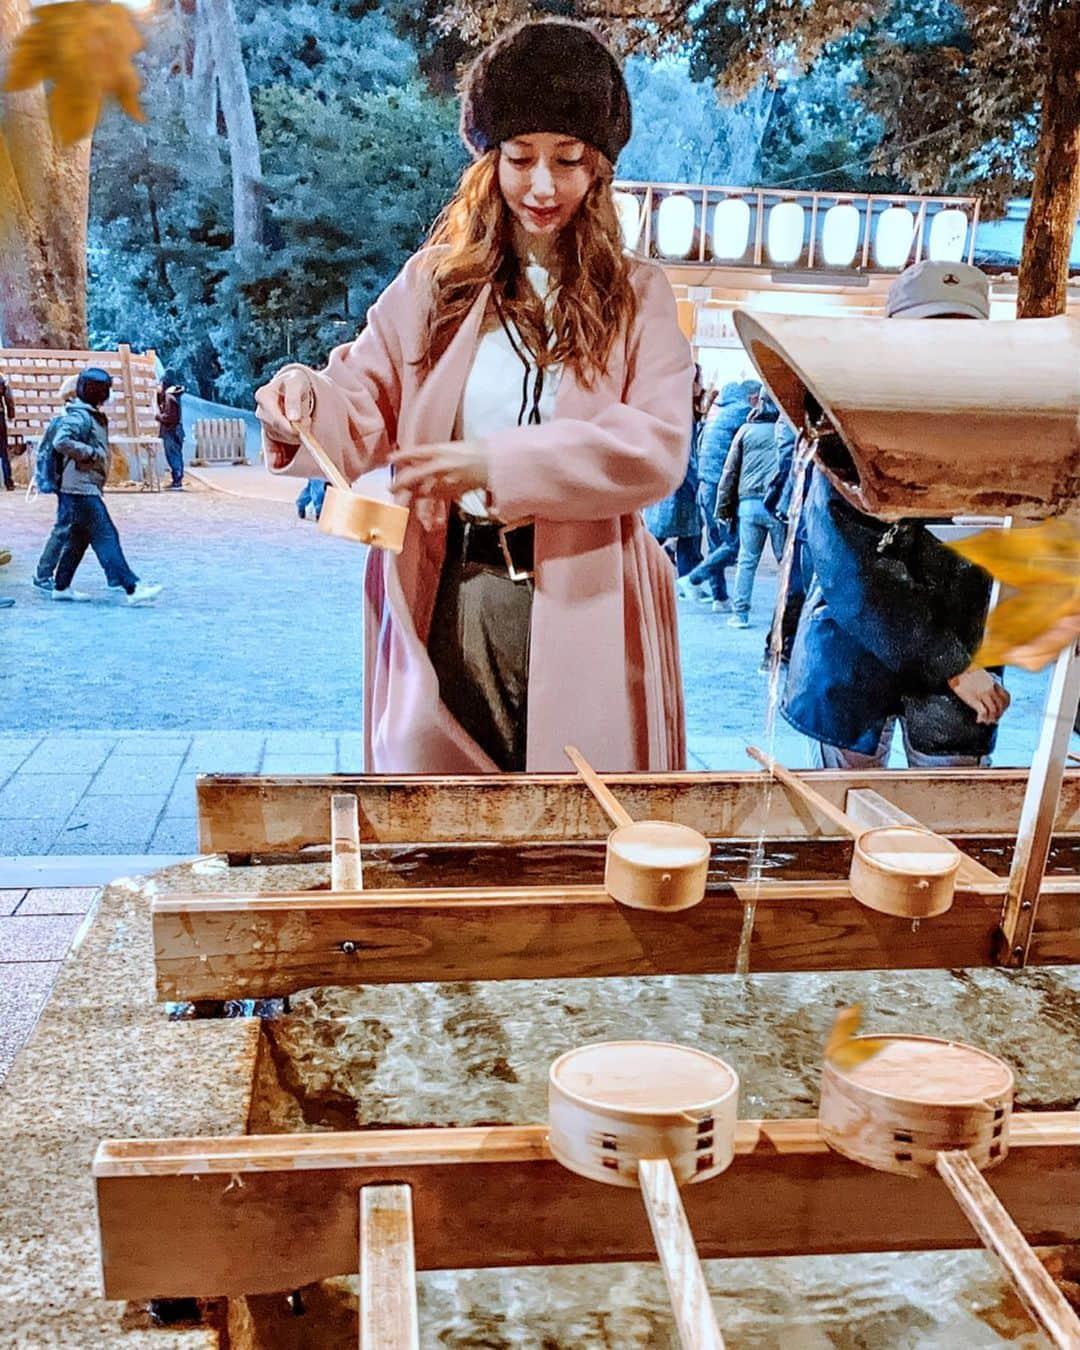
[785, 236]
[731, 229]
[628, 209]
[948, 235]
[893, 236]
[840, 234]
[675, 226]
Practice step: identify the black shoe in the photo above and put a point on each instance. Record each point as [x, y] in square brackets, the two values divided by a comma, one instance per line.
[6, 602]
[43, 583]
[11, 488]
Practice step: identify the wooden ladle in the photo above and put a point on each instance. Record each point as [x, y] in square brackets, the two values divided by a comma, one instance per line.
[905, 870]
[916, 1105]
[650, 864]
[348, 515]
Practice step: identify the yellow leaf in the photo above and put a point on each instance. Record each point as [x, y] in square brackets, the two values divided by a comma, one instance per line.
[82, 50]
[1042, 565]
[842, 1048]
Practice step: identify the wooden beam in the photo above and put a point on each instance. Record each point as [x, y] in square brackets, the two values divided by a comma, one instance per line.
[228, 1216]
[268, 946]
[388, 1315]
[241, 815]
[871, 809]
[346, 867]
[1041, 801]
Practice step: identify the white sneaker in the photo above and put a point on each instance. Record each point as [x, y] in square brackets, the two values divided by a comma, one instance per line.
[721, 606]
[688, 589]
[144, 593]
[70, 594]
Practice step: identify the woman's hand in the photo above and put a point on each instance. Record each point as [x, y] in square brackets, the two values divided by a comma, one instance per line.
[988, 698]
[288, 398]
[443, 469]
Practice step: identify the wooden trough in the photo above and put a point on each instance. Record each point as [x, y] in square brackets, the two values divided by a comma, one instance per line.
[419, 927]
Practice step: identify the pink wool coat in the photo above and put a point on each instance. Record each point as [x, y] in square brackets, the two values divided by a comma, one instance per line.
[604, 662]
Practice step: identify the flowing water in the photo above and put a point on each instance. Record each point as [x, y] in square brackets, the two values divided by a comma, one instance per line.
[800, 468]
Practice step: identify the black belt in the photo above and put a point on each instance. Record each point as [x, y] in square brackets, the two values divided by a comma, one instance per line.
[488, 543]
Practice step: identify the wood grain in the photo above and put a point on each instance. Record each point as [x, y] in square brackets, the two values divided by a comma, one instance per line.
[245, 814]
[224, 1216]
[1028, 1276]
[689, 1294]
[245, 946]
[346, 865]
[388, 1314]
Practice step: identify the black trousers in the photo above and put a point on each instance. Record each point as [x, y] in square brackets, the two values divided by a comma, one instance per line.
[479, 646]
[5, 463]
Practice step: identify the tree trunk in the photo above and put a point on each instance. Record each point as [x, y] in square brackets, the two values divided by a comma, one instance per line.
[44, 203]
[202, 102]
[1055, 194]
[235, 94]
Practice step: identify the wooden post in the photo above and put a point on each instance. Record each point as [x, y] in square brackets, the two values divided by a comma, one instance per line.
[388, 1316]
[1039, 809]
[690, 1302]
[1028, 1276]
[130, 410]
[346, 865]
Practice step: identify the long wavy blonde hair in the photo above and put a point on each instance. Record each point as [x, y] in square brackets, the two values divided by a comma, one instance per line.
[594, 302]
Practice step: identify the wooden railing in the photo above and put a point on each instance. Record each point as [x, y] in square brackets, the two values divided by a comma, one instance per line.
[718, 225]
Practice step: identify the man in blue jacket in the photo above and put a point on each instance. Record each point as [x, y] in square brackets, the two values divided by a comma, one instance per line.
[893, 616]
[707, 580]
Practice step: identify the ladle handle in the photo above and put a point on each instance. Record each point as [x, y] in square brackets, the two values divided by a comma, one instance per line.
[689, 1294]
[330, 470]
[990, 1219]
[808, 794]
[613, 809]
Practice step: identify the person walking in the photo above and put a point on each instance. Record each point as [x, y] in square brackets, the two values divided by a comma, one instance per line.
[675, 520]
[82, 438]
[740, 500]
[893, 616]
[708, 581]
[48, 472]
[171, 425]
[7, 412]
[312, 494]
[527, 381]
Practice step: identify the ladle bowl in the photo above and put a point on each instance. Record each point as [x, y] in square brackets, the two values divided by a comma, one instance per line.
[364, 520]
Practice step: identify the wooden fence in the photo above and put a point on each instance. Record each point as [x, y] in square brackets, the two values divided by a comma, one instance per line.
[34, 378]
[220, 440]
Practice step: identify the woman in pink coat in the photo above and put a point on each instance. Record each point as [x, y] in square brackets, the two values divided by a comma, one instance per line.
[527, 382]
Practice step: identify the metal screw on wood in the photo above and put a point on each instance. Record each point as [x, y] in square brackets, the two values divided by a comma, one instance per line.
[349, 948]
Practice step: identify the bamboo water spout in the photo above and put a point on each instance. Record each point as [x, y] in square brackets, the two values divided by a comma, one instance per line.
[937, 417]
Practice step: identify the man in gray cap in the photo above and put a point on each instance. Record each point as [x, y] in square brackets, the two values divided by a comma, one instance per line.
[893, 616]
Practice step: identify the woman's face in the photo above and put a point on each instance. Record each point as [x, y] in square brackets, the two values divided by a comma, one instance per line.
[543, 178]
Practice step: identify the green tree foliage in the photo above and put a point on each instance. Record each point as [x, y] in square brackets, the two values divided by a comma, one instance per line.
[358, 158]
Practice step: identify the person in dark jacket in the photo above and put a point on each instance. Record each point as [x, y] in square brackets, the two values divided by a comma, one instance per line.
[171, 425]
[49, 481]
[676, 517]
[82, 438]
[893, 616]
[707, 581]
[7, 411]
[750, 466]
[778, 503]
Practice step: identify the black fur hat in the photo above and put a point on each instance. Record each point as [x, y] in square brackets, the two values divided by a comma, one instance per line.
[550, 75]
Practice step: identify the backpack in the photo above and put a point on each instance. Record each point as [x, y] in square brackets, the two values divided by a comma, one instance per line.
[49, 463]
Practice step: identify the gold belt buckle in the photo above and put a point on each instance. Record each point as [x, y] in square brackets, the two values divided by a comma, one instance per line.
[513, 571]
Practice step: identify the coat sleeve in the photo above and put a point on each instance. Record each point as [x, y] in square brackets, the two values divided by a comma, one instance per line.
[632, 453]
[75, 438]
[358, 393]
[873, 597]
[727, 494]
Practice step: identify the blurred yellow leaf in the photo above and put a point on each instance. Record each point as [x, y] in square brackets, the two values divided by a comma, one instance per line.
[82, 50]
[842, 1048]
[1041, 565]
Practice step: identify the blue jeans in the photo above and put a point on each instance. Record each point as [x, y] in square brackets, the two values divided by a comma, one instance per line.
[823, 756]
[173, 440]
[89, 525]
[313, 491]
[721, 548]
[54, 547]
[755, 526]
